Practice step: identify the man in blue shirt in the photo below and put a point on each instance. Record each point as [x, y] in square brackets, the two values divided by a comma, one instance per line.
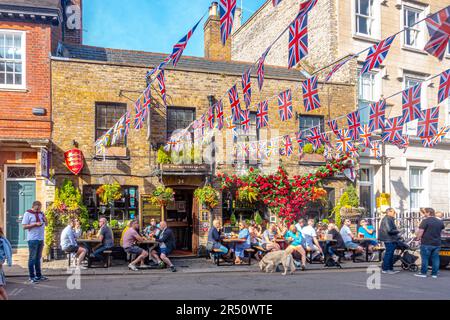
[69, 243]
[34, 223]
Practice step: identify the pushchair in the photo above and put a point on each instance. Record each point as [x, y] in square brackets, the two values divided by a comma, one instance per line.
[405, 254]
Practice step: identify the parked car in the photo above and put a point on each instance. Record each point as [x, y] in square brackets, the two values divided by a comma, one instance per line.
[445, 248]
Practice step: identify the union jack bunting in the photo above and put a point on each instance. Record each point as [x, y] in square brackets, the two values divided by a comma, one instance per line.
[287, 149]
[234, 103]
[116, 133]
[333, 126]
[247, 87]
[354, 123]
[242, 151]
[306, 6]
[138, 119]
[253, 151]
[310, 94]
[226, 11]
[276, 2]
[364, 135]
[411, 103]
[127, 123]
[314, 138]
[285, 105]
[298, 40]
[393, 129]
[376, 149]
[211, 118]
[338, 66]
[428, 125]
[439, 29]
[260, 69]
[219, 114]
[262, 147]
[245, 120]
[262, 114]
[428, 142]
[147, 100]
[377, 115]
[232, 126]
[442, 133]
[377, 54]
[181, 45]
[328, 153]
[402, 144]
[344, 142]
[162, 86]
[444, 86]
[325, 139]
[161, 66]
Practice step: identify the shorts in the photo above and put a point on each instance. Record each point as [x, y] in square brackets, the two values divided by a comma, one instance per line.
[312, 247]
[71, 249]
[134, 250]
[351, 245]
[164, 251]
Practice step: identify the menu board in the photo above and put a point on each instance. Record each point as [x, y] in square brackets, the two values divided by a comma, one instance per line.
[149, 211]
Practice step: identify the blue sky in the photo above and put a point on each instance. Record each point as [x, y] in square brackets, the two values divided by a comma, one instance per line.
[148, 25]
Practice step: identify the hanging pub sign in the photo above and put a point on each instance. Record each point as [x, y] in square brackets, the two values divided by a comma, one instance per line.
[74, 160]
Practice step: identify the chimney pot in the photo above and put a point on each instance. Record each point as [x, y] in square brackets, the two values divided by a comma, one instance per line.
[214, 9]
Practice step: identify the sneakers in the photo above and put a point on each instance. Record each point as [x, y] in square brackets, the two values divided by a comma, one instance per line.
[132, 267]
[434, 277]
[161, 265]
[33, 280]
[420, 275]
[173, 269]
[389, 272]
[41, 279]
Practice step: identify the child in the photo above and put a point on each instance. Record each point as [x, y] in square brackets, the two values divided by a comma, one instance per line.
[5, 255]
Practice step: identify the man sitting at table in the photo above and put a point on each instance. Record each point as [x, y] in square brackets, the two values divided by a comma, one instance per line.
[105, 235]
[70, 245]
[311, 242]
[130, 240]
[295, 239]
[215, 237]
[167, 244]
[268, 240]
[368, 232]
[348, 237]
[335, 235]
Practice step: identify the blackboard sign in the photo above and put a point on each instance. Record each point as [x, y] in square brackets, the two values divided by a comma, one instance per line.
[149, 211]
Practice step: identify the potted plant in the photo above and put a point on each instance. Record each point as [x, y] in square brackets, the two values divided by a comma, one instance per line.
[162, 196]
[247, 194]
[108, 193]
[207, 196]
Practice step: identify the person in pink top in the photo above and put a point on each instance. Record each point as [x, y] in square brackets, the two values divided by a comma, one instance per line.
[130, 240]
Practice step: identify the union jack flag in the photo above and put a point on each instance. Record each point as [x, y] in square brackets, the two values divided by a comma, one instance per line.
[325, 139]
[235, 104]
[441, 134]
[117, 132]
[219, 114]
[161, 66]
[377, 54]
[247, 87]
[276, 2]
[328, 153]
[315, 138]
[333, 126]
[285, 105]
[287, 146]
[444, 86]
[300, 141]
[377, 115]
[262, 114]
[211, 118]
[260, 71]
[181, 45]
[253, 151]
[393, 129]
[411, 103]
[344, 142]
[364, 135]
[245, 120]
[354, 123]
[376, 149]
[428, 142]
[298, 40]
[232, 126]
[162, 86]
[310, 94]
[226, 11]
[402, 144]
[147, 100]
[337, 67]
[306, 6]
[428, 125]
[242, 151]
[439, 29]
[138, 119]
[262, 147]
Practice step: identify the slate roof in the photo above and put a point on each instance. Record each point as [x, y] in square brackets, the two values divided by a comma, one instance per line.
[149, 59]
[36, 10]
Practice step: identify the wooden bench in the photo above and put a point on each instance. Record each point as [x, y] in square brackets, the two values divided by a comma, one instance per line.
[249, 252]
[107, 258]
[217, 253]
[259, 250]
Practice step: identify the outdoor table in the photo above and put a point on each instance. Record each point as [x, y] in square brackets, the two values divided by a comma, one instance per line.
[148, 244]
[364, 242]
[324, 242]
[89, 244]
[233, 242]
[282, 243]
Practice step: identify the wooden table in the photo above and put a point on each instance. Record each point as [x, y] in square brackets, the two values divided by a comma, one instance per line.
[149, 244]
[89, 244]
[282, 243]
[233, 242]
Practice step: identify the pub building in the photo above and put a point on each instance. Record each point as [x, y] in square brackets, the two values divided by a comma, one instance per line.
[92, 87]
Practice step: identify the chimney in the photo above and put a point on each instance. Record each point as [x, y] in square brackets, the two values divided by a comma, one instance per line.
[73, 21]
[237, 20]
[214, 50]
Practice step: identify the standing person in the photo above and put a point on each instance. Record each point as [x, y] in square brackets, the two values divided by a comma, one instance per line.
[430, 236]
[130, 240]
[389, 234]
[34, 223]
[69, 244]
[167, 244]
[5, 256]
[105, 235]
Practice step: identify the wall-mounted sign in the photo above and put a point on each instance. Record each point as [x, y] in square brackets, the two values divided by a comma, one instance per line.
[45, 163]
[74, 160]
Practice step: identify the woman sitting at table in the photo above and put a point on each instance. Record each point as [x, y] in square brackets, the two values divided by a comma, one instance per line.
[367, 232]
[240, 247]
[215, 236]
[269, 238]
[295, 239]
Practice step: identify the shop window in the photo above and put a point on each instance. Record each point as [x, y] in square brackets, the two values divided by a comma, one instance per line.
[366, 190]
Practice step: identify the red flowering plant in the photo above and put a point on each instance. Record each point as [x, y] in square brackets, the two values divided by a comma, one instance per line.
[285, 197]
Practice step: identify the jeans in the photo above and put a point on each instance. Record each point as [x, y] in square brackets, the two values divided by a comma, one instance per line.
[427, 252]
[35, 248]
[388, 260]
[98, 253]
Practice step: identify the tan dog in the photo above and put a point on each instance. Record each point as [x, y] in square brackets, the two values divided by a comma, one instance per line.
[271, 260]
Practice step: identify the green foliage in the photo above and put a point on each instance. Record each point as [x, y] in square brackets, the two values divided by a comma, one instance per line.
[349, 199]
[207, 196]
[321, 150]
[95, 225]
[233, 219]
[162, 196]
[114, 224]
[353, 199]
[258, 219]
[109, 193]
[163, 157]
[308, 148]
[325, 221]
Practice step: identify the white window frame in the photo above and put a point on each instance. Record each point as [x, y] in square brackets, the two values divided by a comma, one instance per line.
[420, 28]
[424, 188]
[24, 60]
[375, 29]
[370, 184]
[424, 87]
[376, 89]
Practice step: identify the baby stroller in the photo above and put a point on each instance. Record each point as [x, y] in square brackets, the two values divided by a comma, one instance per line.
[405, 254]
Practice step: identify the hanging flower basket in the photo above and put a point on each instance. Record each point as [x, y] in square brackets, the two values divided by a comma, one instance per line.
[207, 196]
[162, 196]
[108, 193]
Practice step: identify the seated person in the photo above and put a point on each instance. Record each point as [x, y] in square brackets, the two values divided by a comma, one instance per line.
[167, 244]
[255, 234]
[335, 235]
[281, 230]
[215, 236]
[311, 242]
[152, 230]
[268, 239]
[295, 239]
[300, 224]
[70, 245]
[124, 231]
[130, 240]
[240, 247]
[105, 235]
[77, 231]
[368, 232]
[347, 236]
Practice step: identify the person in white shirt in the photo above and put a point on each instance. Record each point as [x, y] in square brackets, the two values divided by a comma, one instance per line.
[300, 224]
[348, 236]
[311, 242]
[69, 244]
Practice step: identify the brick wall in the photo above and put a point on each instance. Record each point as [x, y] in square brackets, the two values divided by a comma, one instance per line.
[74, 35]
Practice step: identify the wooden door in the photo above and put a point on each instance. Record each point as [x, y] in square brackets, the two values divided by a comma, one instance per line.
[195, 225]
